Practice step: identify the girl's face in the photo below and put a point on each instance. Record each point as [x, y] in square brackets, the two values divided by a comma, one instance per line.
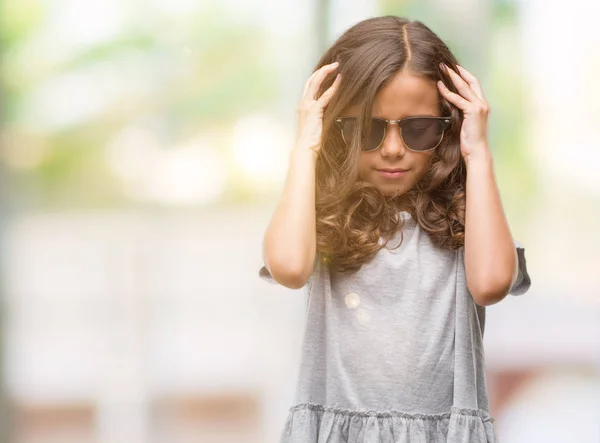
[406, 95]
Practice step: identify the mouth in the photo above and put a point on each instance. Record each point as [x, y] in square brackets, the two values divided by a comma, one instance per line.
[392, 170]
[390, 173]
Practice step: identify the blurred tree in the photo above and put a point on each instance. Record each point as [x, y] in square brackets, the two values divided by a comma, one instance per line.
[176, 78]
[323, 19]
[6, 403]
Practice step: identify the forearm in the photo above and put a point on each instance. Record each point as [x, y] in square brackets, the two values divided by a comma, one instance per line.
[490, 255]
[289, 245]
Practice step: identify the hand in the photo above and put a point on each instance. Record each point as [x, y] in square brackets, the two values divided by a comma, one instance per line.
[473, 132]
[310, 109]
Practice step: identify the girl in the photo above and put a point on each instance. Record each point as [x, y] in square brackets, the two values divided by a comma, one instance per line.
[392, 219]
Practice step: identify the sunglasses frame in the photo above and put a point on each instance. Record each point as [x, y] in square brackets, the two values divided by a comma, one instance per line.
[446, 121]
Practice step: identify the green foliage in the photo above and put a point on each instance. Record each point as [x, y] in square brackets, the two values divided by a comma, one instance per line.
[204, 71]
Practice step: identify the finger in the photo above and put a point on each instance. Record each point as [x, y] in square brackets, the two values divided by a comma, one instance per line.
[453, 98]
[308, 82]
[315, 82]
[461, 85]
[326, 97]
[472, 81]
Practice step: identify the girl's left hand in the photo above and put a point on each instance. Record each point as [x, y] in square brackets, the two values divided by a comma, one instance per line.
[473, 132]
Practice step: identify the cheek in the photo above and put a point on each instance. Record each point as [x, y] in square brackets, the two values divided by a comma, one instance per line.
[363, 164]
[423, 163]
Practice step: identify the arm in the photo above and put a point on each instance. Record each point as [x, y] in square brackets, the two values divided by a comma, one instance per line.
[289, 245]
[491, 262]
[490, 255]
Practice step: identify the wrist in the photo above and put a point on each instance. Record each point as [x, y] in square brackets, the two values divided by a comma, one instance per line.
[301, 152]
[480, 158]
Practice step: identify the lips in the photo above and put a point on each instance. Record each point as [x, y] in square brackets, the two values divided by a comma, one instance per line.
[392, 173]
[392, 170]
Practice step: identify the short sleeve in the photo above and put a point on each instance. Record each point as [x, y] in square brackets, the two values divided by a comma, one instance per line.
[523, 281]
[264, 274]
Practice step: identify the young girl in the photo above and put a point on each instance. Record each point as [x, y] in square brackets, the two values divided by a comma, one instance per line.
[392, 219]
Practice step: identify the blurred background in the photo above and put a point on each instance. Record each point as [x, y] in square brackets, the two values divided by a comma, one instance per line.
[143, 147]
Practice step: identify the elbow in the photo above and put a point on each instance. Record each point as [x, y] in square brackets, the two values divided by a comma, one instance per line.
[491, 285]
[288, 274]
[489, 291]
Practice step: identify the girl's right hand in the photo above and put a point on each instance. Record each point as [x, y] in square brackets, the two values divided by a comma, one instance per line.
[310, 109]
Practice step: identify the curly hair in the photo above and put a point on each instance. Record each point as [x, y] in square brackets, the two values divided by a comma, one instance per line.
[352, 216]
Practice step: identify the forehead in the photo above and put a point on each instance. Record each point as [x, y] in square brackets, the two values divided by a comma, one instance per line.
[406, 94]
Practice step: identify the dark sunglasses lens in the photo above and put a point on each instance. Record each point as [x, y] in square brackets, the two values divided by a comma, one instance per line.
[372, 140]
[422, 134]
[375, 135]
[347, 125]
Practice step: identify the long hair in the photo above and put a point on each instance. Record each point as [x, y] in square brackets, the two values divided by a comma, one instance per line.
[352, 215]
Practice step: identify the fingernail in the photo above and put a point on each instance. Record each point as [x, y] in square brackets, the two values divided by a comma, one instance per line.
[335, 63]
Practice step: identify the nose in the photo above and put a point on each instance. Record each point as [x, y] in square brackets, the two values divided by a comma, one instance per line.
[392, 145]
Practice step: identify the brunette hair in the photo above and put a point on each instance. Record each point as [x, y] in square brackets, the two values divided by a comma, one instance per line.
[352, 215]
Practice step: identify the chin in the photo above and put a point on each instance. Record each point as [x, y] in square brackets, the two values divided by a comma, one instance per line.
[389, 191]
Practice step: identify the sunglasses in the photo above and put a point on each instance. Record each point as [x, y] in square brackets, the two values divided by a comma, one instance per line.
[419, 134]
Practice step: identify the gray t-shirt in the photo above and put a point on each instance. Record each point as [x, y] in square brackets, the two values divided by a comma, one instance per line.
[393, 352]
